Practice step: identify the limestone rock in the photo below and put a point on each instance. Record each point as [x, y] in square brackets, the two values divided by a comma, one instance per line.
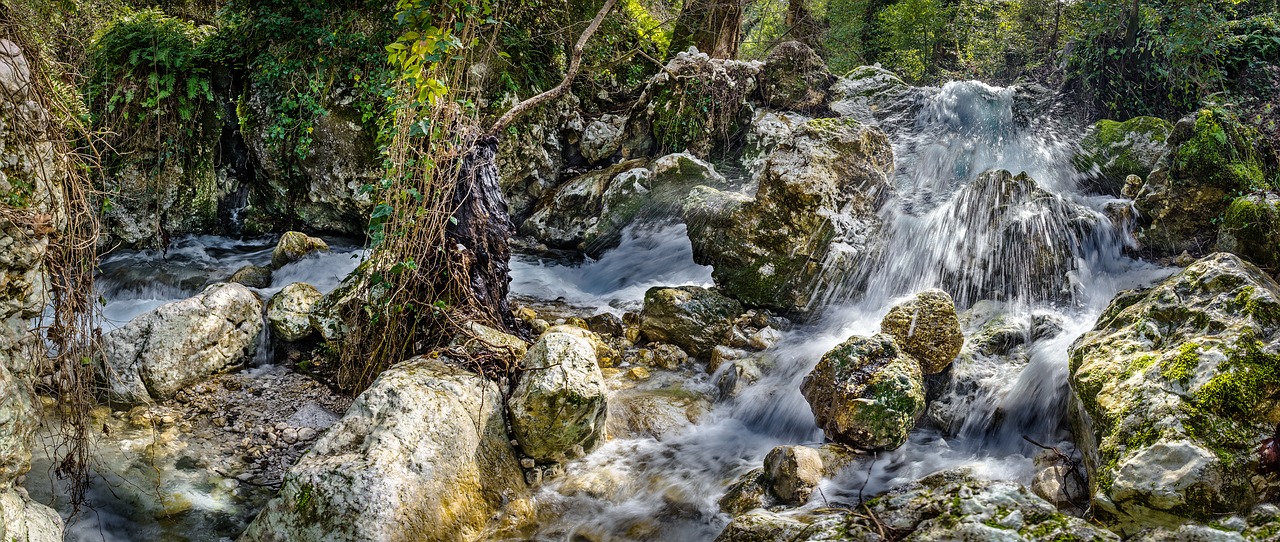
[26, 520]
[421, 455]
[558, 408]
[813, 217]
[1251, 229]
[866, 393]
[531, 155]
[294, 246]
[1176, 388]
[875, 96]
[696, 104]
[794, 77]
[289, 311]
[602, 138]
[1111, 151]
[951, 505]
[749, 492]
[638, 413]
[178, 344]
[793, 473]
[927, 328]
[691, 317]
[1209, 159]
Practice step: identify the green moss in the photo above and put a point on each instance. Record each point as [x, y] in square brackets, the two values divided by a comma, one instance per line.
[1182, 367]
[1218, 153]
[1246, 379]
[1115, 147]
[1253, 222]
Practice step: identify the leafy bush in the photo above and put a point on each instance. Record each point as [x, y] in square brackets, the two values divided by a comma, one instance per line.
[149, 84]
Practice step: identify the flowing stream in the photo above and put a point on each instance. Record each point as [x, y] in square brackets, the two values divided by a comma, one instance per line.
[1045, 257]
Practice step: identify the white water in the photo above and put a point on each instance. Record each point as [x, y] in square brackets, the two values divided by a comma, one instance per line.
[941, 232]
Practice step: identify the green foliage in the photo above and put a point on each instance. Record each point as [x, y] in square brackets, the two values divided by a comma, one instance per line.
[149, 83]
[1180, 52]
[302, 57]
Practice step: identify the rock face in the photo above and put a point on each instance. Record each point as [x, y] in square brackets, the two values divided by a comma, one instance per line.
[866, 393]
[696, 104]
[813, 216]
[294, 246]
[178, 344]
[30, 193]
[927, 328]
[421, 455]
[558, 409]
[1209, 159]
[602, 138]
[795, 78]
[949, 505]
[691, 317]
[289, 311]
[793, 472]
[1176, 387]
[531, 158]
[1111, 151]
[1251, 229]
[322, 190]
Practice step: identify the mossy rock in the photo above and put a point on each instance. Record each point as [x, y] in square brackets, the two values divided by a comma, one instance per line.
[1175, 388]
[927, 328]
[794, 78]
[866, 393]
[1251, 229]
[1210, 161]
[1120, 149]
[691, 317]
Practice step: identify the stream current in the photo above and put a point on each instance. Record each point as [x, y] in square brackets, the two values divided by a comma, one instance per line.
[940, 233]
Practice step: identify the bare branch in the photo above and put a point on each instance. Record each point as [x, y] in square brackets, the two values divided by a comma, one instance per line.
[575, 63]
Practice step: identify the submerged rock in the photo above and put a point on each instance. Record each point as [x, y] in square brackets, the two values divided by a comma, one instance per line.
[253, 276]
[691, 317]
[866, 393]
[178, 344]
[793, 472]
[926, 326]
[558, 408]
[794, 77]
[812, 219]
[951, 505]
[422, 454]
[1209, 159]
[1112, 151]
[294, 246]
[289, 311]
[1176, 387]
[637, 413]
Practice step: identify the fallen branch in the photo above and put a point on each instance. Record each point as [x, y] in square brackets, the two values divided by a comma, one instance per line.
[575, 63]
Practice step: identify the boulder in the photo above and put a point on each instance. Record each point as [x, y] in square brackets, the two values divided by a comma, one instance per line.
[927, 328]
[793, 473]
[179, 344]
[1112, 151]
[253, 276]
[606, 355]
[478, 338]
[795, 78]
[950, 505]
[749, 492]
[558, 408]
[294, 246]
[31, 180]
[696, 104]
[866, 393]
[1251, 229]
[1175, 388]
[811, 221]
[875, 96]
[639, 413]
[289, 311]
[690, 317]
[1209, 159]
[422, 454]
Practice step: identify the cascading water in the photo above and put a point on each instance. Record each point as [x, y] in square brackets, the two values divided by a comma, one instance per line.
[1043, 256]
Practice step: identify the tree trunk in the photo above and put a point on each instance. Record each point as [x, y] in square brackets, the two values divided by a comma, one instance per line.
[482, 229]
[713, 26]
